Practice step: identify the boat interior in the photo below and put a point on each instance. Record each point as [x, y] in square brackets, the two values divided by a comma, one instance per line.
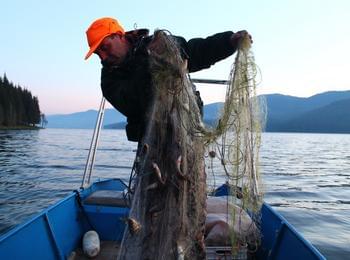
[57, 232]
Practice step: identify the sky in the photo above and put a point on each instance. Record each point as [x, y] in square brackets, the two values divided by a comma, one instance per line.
[301, 47]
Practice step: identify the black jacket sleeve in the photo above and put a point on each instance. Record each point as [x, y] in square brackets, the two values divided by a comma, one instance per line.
[202, 53]
[128, 87]
[128, 90]
[120, 91]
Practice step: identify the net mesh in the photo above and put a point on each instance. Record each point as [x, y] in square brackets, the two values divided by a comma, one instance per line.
[168, 211]
[234, 144]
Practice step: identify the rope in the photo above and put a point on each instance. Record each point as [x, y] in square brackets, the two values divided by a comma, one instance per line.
[80, 204]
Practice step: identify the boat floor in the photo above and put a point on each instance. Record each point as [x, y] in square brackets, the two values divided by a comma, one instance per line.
[108, 250]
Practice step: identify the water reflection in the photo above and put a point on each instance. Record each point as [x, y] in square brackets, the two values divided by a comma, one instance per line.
[306, 177]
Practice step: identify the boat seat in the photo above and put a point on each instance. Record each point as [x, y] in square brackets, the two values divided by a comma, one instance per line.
[107, 198]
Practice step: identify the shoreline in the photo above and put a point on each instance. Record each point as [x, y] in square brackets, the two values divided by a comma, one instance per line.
[20, 128]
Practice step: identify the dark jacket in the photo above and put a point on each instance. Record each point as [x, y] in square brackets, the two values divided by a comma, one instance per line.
[128, 86]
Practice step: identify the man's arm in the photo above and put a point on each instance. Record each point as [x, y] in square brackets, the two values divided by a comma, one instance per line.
[202, 53]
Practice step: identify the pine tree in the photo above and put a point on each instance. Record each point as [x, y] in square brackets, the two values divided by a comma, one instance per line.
[17, 105]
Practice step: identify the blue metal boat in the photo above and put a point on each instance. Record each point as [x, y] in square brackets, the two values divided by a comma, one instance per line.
[56, 233]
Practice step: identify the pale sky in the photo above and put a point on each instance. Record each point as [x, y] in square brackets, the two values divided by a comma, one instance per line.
[300, 46]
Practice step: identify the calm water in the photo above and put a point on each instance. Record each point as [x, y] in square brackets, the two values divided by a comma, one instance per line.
[306, 177]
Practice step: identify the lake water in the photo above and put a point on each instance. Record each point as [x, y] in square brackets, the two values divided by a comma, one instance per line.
[306, 177]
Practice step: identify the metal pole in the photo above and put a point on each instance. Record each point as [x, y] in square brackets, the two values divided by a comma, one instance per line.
[211, 81]
[101, 115]
[93, 144]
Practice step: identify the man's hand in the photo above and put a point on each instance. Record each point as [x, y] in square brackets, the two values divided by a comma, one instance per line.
[238, 36]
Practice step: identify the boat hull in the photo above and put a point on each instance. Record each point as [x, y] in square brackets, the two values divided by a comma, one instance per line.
[58, 231]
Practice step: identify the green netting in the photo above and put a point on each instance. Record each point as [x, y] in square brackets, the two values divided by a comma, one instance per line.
[168, 212]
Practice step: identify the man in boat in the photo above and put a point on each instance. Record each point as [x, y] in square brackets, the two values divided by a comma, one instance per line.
[125, 78]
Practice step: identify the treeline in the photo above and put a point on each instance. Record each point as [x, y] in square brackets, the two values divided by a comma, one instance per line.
[17, 105]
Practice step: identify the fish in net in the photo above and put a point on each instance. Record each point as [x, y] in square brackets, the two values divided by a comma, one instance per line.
[168, 213]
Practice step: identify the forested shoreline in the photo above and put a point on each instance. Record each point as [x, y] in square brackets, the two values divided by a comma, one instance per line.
[18, 107]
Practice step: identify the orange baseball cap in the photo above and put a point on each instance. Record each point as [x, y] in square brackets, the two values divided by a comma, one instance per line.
[100, 29]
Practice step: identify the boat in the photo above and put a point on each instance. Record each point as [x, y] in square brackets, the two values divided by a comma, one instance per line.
[57, 232]
[103, 206]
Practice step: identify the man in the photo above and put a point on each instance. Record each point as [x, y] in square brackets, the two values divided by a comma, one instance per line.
[125, 78]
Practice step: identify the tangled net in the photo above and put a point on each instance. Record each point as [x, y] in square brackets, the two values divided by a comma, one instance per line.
[237, 136]
[168, 208]
[167, 215]
[236, 139]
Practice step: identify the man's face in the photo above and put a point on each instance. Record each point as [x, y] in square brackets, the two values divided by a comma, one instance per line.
[113, 50]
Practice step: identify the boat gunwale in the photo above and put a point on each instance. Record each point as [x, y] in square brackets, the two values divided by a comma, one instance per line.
[12, 231]
[285, 224]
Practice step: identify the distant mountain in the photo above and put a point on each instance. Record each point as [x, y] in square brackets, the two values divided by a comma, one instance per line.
[86, 119]
[326, 113]
[285, 113]
[120, 125]
[286, 107]
[212, 112]
[332, 118]
[112, 118]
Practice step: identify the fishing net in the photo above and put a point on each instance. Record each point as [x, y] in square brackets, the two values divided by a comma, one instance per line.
[168, 213]
[234, 143]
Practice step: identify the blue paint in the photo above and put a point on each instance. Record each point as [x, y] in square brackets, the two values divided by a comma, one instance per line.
[58, 230]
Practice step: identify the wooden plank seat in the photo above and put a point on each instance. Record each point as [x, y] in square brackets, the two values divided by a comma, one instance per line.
[108, 198]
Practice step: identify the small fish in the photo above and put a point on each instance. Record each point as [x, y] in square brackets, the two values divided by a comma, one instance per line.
[134, 226]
